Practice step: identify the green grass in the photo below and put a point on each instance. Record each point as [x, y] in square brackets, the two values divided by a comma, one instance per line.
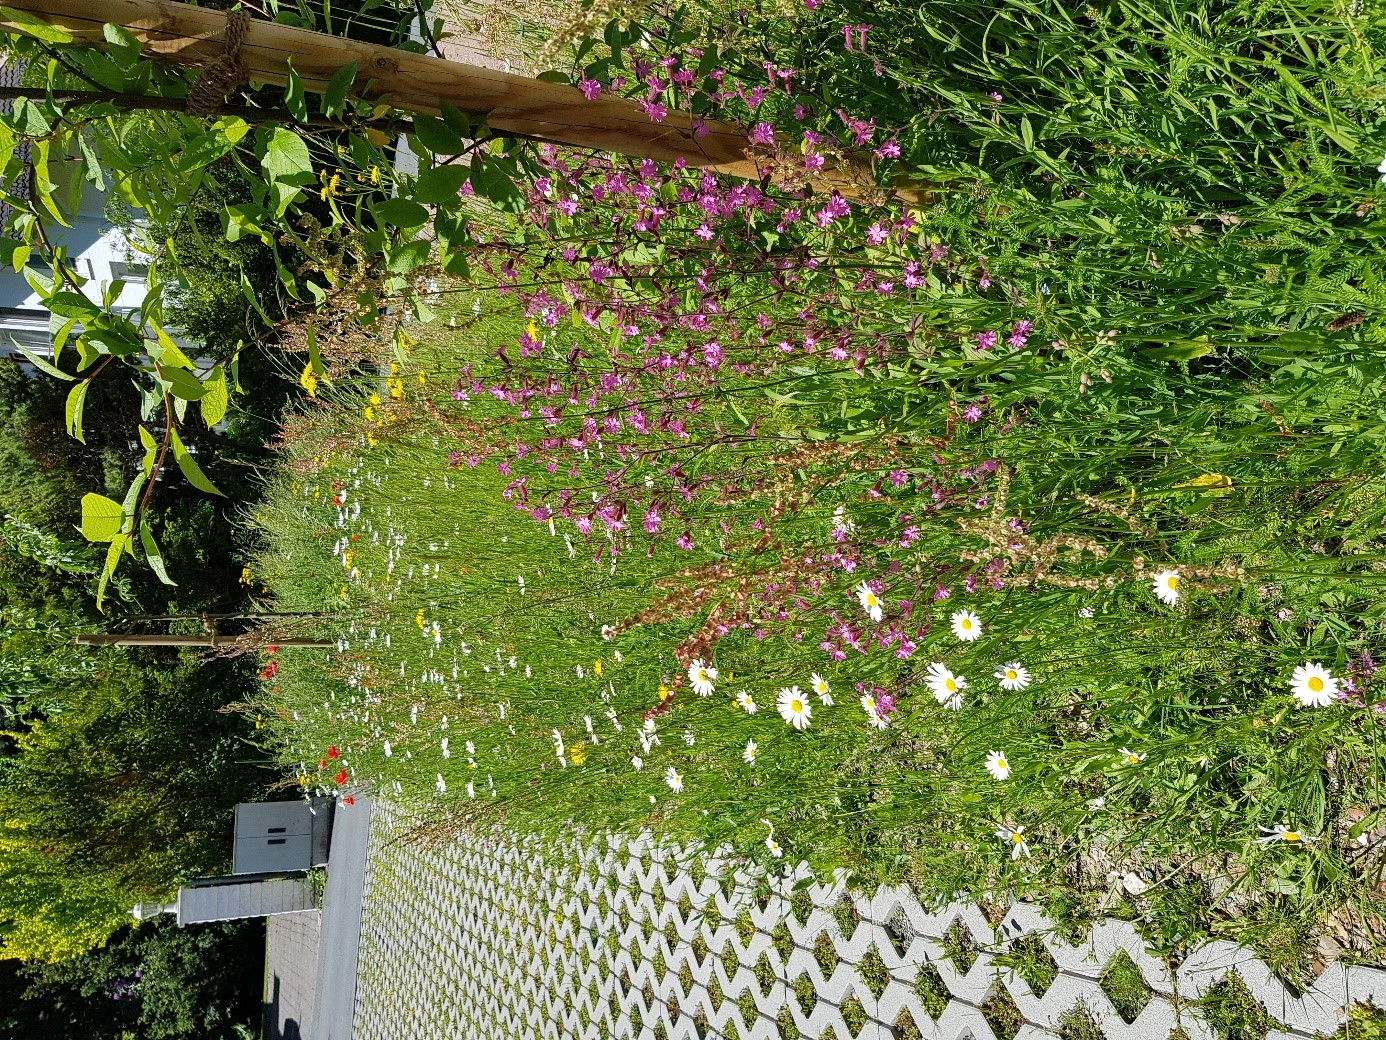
[1233, 1012]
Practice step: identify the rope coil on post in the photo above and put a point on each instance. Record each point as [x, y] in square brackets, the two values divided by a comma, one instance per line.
[228, 73]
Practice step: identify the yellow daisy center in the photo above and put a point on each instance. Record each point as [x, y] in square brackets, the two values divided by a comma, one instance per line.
[967, 624]
[1291, 836]
[1315, 684]
[870, 599]
[1001, 764]
[950, 685]
[1016, 839]
[1133, 759]
[702, 675]
[1011, 674]
[1172, 581]
[796, 706]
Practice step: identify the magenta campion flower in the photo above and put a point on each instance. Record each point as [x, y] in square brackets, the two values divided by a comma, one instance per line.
[876, 234]
[685, 541]
[972, 413]
[986, 340]
[889, 150]
[652, 521]
[657, 111]
[763, 133]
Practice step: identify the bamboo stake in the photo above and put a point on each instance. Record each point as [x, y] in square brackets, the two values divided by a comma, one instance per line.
[181, 34]
[212, 639]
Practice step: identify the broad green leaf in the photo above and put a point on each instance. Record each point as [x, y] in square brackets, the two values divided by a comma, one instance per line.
[189, 465]
[314, 355]
[67, 304]
[1027, 134]
[286, 157]
[170, 352]
[43, 185]
[491, 183]
[76, 400]
[132, 494]
[122, 43]
[456, 120]
[152, 554]
[408, 257]
[334, 98]
[184, 385]
[437, 136]
[151, 449]
[91, 164]
[403, 213]
[38, 362]
[117, 547]
[33, 25]
[293, 95]
[102, 517]
[440, 185]
[215, 399]
[456, 265]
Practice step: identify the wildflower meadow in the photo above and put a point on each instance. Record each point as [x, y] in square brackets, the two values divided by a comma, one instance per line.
[987, 494]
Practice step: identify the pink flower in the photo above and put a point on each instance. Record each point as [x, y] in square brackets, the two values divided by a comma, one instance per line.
[763, 133]
[657, 111]
[889, 150]
[986, 340]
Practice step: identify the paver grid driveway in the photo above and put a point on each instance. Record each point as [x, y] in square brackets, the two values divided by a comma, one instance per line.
[475, 938]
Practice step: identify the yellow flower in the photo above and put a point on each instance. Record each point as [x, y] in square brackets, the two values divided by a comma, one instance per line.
[246, 577]
[663, 692]
[309, 380]
[597, 667]
[375, 174]
[374, 399]
[578, 753]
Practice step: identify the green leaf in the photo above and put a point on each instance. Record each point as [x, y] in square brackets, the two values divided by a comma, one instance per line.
[68, 304]
[189, 465]
[170, 353]
[456, 265]
[437, 136]
[293, 95]
[408, 256]
[491, 183]
[334, 98]
[113, 553]
[287, 159]
[182, 384]
[76, 400]
[554, 76]
[403, 213]
[151, 448]
[91, 164]
[152, 556]
[440, 185]
[123, 44]
[132, 494]
[38, 362]
[32, 25]
[456, 120]
[102, 517]
[315, 364]
[1185, 351]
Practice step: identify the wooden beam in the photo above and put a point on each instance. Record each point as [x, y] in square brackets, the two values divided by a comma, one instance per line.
[181, 34]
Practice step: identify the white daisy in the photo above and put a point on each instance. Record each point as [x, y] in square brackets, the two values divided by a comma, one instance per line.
[794, 708]
[672, 778]
[702, 677]
[873, 716]
[998, 765]
[387, 749]
[637, 763]
[1015, 838]
[1131, 758]
[442, 785]
[947, 688]
[743, 699]
[1281, 834]
[1166, 585]
[870, 602]
[820, 687]
[749, 755]
[1085, 612]
[689, 738]
[770, 842]
[608, 632]
[967, 626]
[1013, 676]
[1313, 685]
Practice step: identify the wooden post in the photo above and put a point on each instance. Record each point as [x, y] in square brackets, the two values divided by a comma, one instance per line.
[180, 34]
[212, 639]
